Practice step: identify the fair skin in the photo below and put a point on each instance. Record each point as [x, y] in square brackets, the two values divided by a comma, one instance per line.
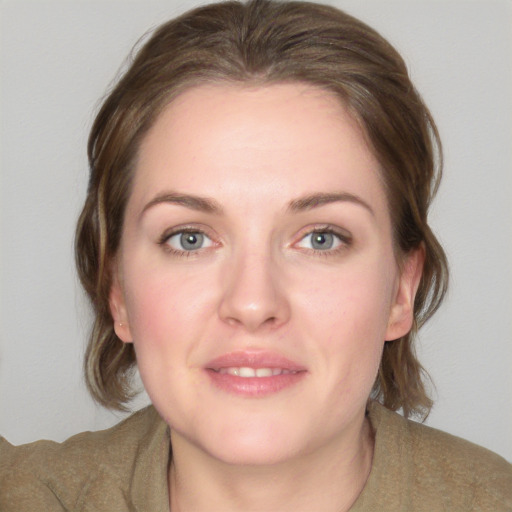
[258, 281]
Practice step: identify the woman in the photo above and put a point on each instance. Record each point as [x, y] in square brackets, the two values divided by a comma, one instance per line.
[255, 236]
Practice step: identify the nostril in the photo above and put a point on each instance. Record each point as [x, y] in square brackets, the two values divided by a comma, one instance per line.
[251, 322]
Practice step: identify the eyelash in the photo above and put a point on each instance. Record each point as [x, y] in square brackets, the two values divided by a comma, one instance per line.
[344, 239]
[167, 235]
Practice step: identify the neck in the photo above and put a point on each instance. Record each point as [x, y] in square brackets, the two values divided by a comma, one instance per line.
[328, 480]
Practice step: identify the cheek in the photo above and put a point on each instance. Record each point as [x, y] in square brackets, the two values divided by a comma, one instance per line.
[169, 313]
[162, 301]
[346, 317]
[356, 302]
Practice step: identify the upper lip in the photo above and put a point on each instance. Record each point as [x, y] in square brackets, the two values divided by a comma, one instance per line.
[248, 359]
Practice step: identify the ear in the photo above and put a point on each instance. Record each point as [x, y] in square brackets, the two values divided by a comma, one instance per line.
[118, 308]
[402, 310]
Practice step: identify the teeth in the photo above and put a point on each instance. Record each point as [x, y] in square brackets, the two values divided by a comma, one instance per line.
[264, 372]
[254, 372]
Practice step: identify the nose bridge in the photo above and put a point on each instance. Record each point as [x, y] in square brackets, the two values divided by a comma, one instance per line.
[253, 295]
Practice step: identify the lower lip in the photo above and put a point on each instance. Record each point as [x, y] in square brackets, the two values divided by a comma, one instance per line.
[254, 386]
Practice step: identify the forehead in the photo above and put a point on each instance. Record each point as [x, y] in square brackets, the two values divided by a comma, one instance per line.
[281, 141]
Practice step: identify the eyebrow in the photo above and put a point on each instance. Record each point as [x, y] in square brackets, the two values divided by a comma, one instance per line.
[209, 205]
[198, 203]
[320, 199]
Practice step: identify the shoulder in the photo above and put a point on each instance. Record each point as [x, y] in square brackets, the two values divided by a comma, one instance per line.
[440, 470]
[59, 476]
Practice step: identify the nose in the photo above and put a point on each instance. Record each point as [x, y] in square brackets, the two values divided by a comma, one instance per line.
[253, 293]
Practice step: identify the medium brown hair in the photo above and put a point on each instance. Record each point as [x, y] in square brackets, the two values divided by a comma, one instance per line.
[259, 43]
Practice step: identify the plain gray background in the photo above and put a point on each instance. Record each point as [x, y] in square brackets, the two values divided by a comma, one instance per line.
[57, 59]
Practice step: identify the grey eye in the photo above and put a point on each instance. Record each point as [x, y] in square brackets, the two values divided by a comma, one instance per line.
[320, 241]
[189, 241]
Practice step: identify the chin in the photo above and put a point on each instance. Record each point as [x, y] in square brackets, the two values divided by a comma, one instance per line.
[254, 454]
[255, 444]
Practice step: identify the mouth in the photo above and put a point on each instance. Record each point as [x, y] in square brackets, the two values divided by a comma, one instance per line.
[254, 374]
[246, 373]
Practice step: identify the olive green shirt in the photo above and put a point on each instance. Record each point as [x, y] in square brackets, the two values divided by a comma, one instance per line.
[415, 468]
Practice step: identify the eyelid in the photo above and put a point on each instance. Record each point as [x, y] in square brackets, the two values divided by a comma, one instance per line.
[343, 235]
[186, 228]
[206, 241]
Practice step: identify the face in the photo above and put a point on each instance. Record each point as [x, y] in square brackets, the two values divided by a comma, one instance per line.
[256, 275]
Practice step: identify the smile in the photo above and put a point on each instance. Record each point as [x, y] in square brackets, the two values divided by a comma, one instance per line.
[246, 372]
[254, 374]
